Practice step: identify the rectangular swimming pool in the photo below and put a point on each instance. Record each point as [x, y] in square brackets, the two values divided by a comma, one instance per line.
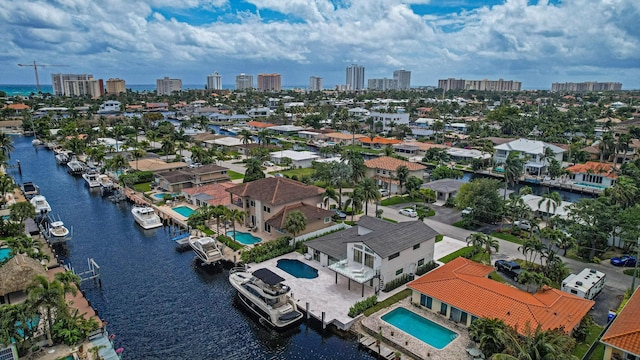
[183, 210]
[419, 327]
[244, 238]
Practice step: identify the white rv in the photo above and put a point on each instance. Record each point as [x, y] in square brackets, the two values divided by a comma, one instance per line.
[587, 284]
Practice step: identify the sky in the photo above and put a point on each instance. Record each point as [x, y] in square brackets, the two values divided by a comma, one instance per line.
[536, 42]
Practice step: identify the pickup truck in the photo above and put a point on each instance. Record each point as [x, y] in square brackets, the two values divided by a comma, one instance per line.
[509, 268]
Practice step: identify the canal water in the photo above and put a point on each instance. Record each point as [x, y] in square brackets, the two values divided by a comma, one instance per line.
[159, 302]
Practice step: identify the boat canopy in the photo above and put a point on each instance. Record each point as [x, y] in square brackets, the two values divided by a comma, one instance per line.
[268, 277]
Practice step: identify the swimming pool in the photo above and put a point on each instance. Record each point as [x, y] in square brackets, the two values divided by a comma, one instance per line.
[591, 185]
[160, 196]
[417, 326]
[5, 253]
[183, 210]
[244, 238]
[297, 268]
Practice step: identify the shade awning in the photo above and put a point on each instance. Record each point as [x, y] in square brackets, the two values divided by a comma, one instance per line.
[268, 277]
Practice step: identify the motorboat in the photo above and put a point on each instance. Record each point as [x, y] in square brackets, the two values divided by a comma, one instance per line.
[146, 217]
[30, 190]
[36, 142]
[206, 249]
[41, 204]
[264, 293]
[57, 229]
[75, 167]
[91, 177]
[106, 184]
[62, 158]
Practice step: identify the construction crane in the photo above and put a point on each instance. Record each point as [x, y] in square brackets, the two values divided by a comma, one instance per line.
[35, 69]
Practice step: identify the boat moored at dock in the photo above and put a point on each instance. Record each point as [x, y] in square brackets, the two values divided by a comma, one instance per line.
[264, 293]
[30, 190]
[41, 204]
[91, 177]
[75, 167]
[146, 217]
[206, 249]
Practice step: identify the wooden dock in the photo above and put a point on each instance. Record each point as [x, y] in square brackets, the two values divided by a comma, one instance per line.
[382, 351]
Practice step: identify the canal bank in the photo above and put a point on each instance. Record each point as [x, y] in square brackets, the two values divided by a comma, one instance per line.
[160, 302]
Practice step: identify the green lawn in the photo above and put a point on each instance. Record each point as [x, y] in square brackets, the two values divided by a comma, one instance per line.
[142, 187]
[388, 302]
[581, 348]
[297, 172]
[235, 175]
[390, 220]
[439, 237]
[630, 272]
[462, 252]
[508, 237]
[395, 200]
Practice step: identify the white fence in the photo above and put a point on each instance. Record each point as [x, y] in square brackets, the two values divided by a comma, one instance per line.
[329, 229]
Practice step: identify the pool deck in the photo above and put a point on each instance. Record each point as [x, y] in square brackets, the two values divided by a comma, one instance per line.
[412, 346]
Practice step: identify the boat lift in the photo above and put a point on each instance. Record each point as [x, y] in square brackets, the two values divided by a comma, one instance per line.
[92, 274]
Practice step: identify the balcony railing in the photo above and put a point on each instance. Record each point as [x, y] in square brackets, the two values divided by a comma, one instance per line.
[355, 272]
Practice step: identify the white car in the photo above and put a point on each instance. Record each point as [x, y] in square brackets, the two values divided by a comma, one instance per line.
[383, 192]
[523, 224]
[268, 163]
[408, 212]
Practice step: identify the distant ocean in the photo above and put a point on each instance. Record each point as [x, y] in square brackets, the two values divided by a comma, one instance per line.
[26, 90]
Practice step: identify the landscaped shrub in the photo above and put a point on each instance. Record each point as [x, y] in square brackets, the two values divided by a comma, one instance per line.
[137, 177]
[228, 241]
[396, 282]
[425, 268]
[359, 307]
[268, 250]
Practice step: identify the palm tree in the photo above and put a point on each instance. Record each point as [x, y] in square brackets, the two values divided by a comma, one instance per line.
[167, 146]
[264, 137]
[476, 240]
[489, 333]
[137, 154]
[21, 211]
[219, 212]
[6, 144]
[48, 296]
[355, 200]
[512, 170]
[235, 215]
[624, 193]
[295, 223]
[402, 173]
[6, 185]
[490, 243]
[329, 194]
[369, 192]
[552, 201]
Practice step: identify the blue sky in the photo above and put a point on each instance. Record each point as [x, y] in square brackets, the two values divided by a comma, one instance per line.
[534, 41]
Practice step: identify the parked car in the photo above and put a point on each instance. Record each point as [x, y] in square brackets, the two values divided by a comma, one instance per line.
[339, 214]
[383, 192]
[523, 224]
[467, 211]
[268, 163]
[278, 175]
[624, 260]
[509, 268]
[410, 212]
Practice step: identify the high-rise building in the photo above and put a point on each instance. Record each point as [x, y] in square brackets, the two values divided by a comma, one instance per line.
[116, 86]
[315, 83]
[403, 77]
[355, 77]
[57, 81]
[214, 81]
[586, 86]
[167, 86]
[269, 82]
[480, 85]
[77, 85]
[382, 84]
[244, 82]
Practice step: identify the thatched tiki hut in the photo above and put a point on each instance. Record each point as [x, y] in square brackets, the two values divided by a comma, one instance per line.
[16, 275]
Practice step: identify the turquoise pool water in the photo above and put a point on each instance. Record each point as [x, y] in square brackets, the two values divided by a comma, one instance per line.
[297, 268]
[244, 238]
[183, 210]
[159, 196]
[419, 327]
[5, 254]
[591, 185]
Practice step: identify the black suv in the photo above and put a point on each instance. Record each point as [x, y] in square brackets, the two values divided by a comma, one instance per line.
[510, 268]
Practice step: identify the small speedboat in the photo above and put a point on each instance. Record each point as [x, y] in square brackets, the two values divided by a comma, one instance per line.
[206, 249]
[57, 229]
[146, 217]
[41, 204]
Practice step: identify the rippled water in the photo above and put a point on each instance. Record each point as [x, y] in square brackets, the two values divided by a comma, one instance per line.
[159, 302]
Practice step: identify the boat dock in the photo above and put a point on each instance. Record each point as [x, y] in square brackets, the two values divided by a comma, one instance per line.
[378, 348]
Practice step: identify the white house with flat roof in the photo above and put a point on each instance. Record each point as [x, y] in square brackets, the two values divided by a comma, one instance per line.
[531, 150]
[388, 119]
[300, 159]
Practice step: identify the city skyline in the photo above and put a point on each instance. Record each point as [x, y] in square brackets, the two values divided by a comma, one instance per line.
[536, 42]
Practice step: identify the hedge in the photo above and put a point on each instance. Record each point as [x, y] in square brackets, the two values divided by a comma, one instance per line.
[228, 241]
[269, 250]
[395, 283]
[425, 268]
[359, 307]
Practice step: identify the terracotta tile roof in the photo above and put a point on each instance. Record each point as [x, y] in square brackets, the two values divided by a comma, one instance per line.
[380, 140]
[18, 107]
[276, 190]
[313, 214]
[597, 168]
[624, 332]
[218, 192]
[389, 163]
[425, 146]
[463, 284]
[337, 135]
[258, 124]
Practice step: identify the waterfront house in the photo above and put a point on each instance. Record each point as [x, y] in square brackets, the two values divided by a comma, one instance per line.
[211, 194]
[622, 338]
[375, 249]
[378, 142]
[299, 159]
[389, 120]
[156, 165]
[175, 181]
[594, 174]
[265, 198]
[461, 292]
[531, 150]
[318, 219]
[344, 139]
[383, 170]
[11, 127]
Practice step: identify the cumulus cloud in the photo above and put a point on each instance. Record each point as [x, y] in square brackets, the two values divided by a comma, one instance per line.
[536, 43]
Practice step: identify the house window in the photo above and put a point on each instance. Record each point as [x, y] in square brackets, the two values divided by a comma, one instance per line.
[473, 318]
[399, 271]
[393, 256]
[443, 309]
[357, 256]
[252, 203]
[327, 220]
[416, 246]
[463, 318]
[631, 357]
[420, 262]
[316, 255]
[426, 301]
[574, 291]
[266, 209]
[368, 260]
[267, 227]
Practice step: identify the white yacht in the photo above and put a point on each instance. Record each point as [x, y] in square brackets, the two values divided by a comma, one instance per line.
[206, 249]
[75, 167]
[265, 295]
[41, 204]
[146, 217]
[105, 182]
[91, 178]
